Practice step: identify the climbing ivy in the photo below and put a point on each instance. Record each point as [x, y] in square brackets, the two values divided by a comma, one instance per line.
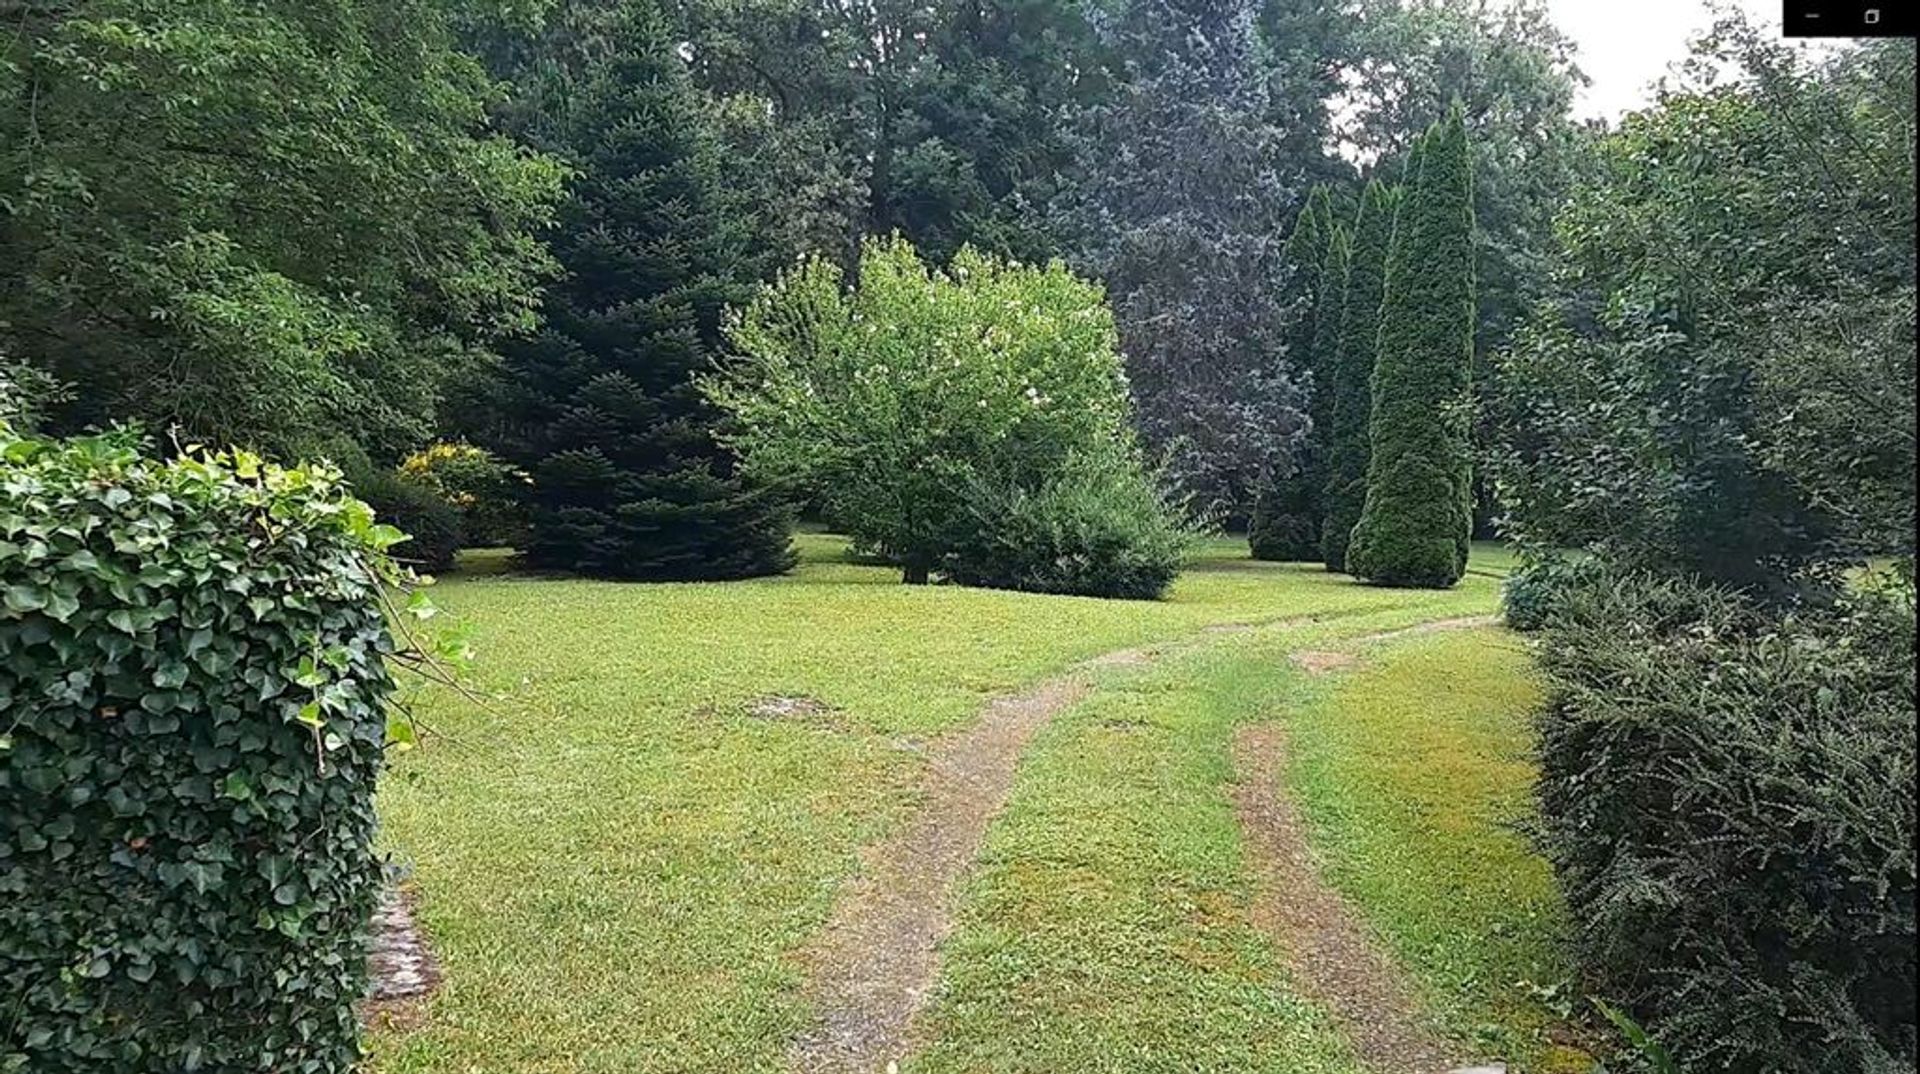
[194, 680]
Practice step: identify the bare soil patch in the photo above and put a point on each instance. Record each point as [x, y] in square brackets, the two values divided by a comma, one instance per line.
[1322, 661]
[401, 969]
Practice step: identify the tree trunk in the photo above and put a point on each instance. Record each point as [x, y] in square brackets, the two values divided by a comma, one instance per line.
[916, 572]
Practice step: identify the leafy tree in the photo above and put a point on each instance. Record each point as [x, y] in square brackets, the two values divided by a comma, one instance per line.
[895, 399]
[628, 481]
[279, 223]
[1304, 47]
[1349, 415]
[1416, 522]
[938, 120]
[1737, 288]
[1177, 208]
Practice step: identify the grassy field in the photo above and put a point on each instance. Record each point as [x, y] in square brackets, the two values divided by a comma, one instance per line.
[618, 857]
[1413, 774]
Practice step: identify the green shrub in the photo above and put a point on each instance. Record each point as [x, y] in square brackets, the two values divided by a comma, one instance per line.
[192, 670]
[486, 491]
[894, 399]
[1101, 527]
[418, 510]
[1727, 797]
[1529, 594]
[1281, 528]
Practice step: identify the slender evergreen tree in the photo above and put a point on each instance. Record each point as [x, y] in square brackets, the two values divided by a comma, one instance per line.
[1348, 451]
[1281, 526]
[1288, 527]
[627, 479]
[1417, 520]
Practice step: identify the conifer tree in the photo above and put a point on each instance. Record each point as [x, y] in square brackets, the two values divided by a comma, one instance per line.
[1286, 524]
[1177, 209]
[1350, 412]
[1417, 520]
[1275, 530]
[628, 481]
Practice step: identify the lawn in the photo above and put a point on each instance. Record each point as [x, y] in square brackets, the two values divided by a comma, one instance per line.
[618, 857]
[1413, 773]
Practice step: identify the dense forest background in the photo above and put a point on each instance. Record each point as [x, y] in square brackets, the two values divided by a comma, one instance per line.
[350, 229]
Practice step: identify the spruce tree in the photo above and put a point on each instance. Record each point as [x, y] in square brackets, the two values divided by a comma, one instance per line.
[1304, 254]
[1417, 519]
[1177, 210]
[1348, 451]
[627, 479]
[1286, 524]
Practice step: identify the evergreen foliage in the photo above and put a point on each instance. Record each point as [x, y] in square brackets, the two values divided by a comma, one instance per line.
[194, 670]
[1351, 386]
[627, 481]
[1416, 522]
[1287, 521]
[1178, 209]
[1727, 797]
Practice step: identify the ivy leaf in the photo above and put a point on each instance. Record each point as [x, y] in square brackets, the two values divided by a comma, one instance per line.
[25, 598]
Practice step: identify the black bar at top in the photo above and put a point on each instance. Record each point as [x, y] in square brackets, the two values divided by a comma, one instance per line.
[1847, 18]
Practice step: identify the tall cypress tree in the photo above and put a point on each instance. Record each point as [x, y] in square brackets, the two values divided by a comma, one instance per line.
[627, 479]
[1417, 520]
[1282, 527]
[1348, 451]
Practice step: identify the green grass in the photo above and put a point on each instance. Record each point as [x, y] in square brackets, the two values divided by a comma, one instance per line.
[1106, 928]
[617, 859]
[1413, 773]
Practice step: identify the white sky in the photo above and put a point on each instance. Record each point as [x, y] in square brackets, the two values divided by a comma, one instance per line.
[1626, 45]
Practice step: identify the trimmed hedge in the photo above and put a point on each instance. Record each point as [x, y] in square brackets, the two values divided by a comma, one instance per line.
[191, 664]
[1417, 520]
[1727, 797]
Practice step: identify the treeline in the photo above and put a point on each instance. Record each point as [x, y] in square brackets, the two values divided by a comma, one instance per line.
[352, 229]
[1706, 447]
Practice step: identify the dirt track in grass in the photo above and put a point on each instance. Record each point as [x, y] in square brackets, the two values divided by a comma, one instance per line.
[875, 964]
[1333, 958]
[873, 968]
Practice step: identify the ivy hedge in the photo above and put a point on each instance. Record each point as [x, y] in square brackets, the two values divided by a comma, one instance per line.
[193, 668]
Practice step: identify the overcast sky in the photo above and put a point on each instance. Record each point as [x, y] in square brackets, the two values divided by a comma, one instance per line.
[1625, 45]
